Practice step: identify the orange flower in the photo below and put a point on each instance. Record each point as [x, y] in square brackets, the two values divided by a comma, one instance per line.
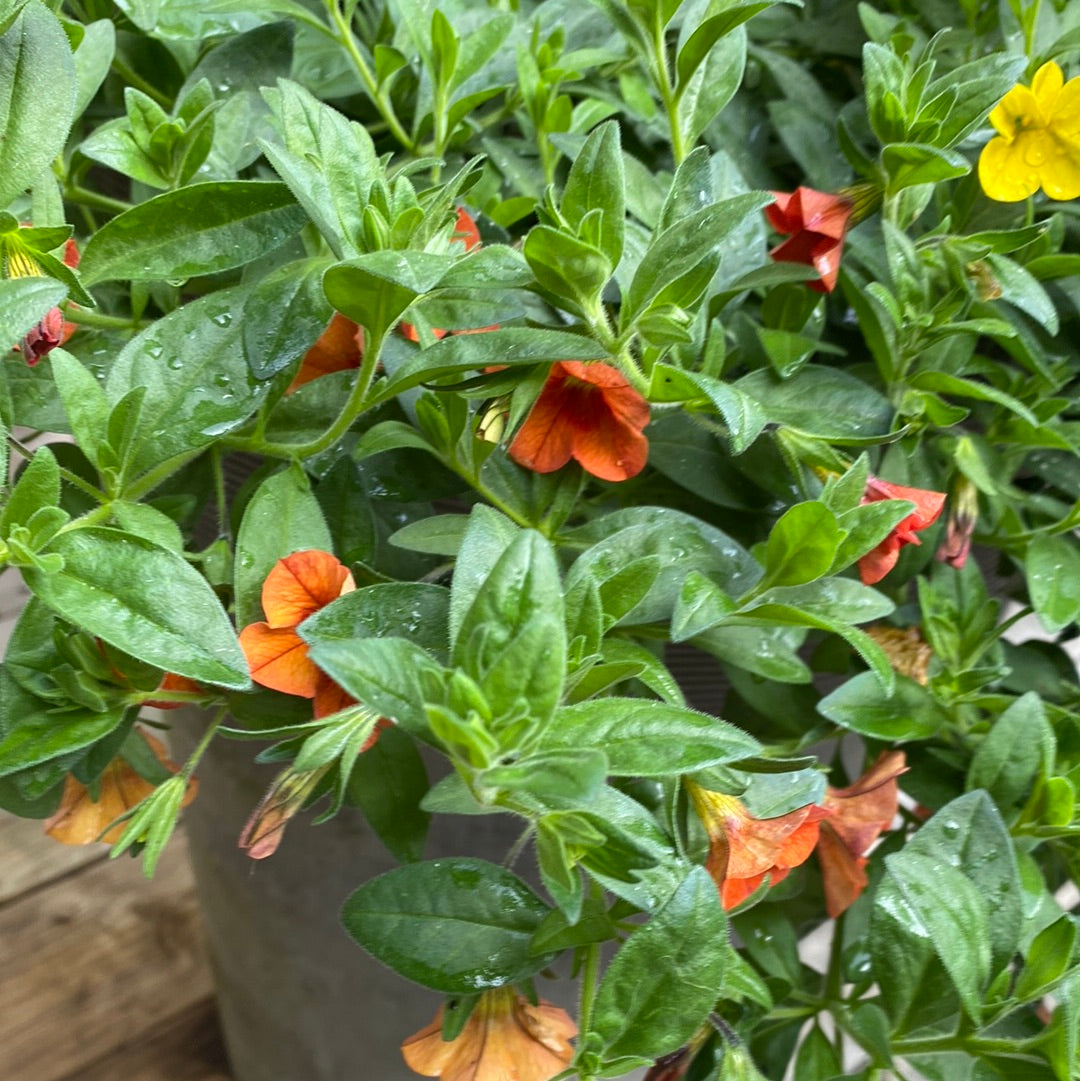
[588, 412]
[506, 1038]
[858, 815]
[877, 563]
[54, 329]
[81, 819]
[297, 587]
[743, 850]
[817, 222]
[339, 348]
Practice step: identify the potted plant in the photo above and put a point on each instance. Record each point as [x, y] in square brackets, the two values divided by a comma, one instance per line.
[559, 342]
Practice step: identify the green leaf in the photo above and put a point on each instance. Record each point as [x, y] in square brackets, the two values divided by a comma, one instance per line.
[907, 164]
[47, 734]
[801, 546]
[414, 610]
[456, 925]
[145, 600]
[84, 401]
[512, 639]
[93, 58]
[1019, 745]
[1052, 569]
[38, 85]
[555, 778]
[38, 486]
[387, 783]
[644, 738]
[702, 604]
[566, 266]
[596, 182]
[662, 984]
[706, 34]
[200, 229]
[24, 302]
[282, 517]
[969, 388]
[713, 85]
[826, 402]
[198, 386]
[284, 316]
[1048, 958]
[683, 246]
[861, 704]
[441, 535]
[937, 902]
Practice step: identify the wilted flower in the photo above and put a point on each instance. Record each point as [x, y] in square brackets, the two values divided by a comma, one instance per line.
[857, 816]
[908, 652]
[817, 222]
[879, 561]
[1038, 140]
[339, 348]
[960, 525]
[588, 412]
[743, 849]
[297, 587]
[53, 329]
[83, 818]
[506, 1038]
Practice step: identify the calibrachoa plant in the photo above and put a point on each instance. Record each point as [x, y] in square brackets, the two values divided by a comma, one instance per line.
[565, 340]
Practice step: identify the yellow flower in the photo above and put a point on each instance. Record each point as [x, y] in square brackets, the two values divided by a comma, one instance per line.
[1038, 140]
[505, 1039]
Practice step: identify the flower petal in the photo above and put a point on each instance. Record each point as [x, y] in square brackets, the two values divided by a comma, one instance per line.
[339, 348]
[278, 659]
[302, 583]
[842, 874]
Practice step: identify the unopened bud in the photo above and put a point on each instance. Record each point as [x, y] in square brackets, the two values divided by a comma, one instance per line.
[963, 517]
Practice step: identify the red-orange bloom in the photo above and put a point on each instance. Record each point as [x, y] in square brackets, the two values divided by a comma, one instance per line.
[339, 348]
[54, 329]
[858, 815]
[743, 849]
[297, 587]
[506, 1038]
[588, 412]
[81, 819]
[817, 222]
[879, 561]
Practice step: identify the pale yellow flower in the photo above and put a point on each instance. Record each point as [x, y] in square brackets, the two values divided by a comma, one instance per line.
[1038, 140]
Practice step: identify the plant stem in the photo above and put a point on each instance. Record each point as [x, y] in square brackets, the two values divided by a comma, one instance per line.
[133, 78]
[668, 94]
[72, 478]
[78, 194]
[200, 749]
[85, 318]
[380, 100]
[589, 979]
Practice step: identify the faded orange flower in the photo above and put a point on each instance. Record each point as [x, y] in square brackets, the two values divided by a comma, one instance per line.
[907, 650]
[857, 816]
[879, 561]
[82, 819]
[506, 1038]
[743, 849]
[339, 348]
[588, 412]
[297, 587]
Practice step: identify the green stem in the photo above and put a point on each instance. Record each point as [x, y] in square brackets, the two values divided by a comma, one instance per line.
[381, 101]
[353, 407]
[84, 318]
[200, 749]
[219, 491]
[668, 94]
[149, 481]
[72, 478]
[133, 78]
[91, 517]
[590, 978]
[92, 198]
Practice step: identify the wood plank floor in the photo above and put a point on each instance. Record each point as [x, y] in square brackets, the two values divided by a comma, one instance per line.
[103, 975]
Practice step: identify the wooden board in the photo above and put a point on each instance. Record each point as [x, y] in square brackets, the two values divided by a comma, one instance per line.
[29, 859]
[93, 961]
[184, 1048]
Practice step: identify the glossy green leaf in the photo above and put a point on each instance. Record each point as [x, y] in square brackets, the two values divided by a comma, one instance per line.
[1052, 569]
[644, 738]
[906, 164]
[1047, 960]
[200, 229]
[24, 302]
[801, 546]
[455, 925]
[38, 86]
[38, 486]
[596, 182]
[702, 604]
[1019, 745]
[662, 983]
[84, 401]
[861, 705]
[145, 600]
